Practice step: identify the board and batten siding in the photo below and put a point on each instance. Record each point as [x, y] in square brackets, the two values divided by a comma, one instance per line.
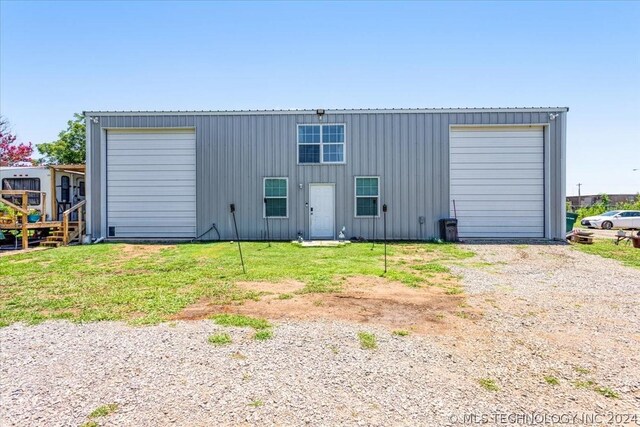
[408, 150]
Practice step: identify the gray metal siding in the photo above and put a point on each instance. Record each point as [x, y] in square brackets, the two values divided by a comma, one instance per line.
[409, 151]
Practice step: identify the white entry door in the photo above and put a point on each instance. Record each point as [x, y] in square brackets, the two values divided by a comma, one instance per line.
[322, 211]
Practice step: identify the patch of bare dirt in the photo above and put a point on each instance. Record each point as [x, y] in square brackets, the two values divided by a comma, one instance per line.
[130, 250]
[424, 310]
[285, 287]
[199, 310]
[22, 251]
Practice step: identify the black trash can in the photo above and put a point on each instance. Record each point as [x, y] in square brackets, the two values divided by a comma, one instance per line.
[449, 229]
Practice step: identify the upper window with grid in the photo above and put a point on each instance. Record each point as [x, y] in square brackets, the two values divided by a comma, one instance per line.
[320, 144]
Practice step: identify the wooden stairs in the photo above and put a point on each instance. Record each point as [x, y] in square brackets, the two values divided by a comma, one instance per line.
[57, 236]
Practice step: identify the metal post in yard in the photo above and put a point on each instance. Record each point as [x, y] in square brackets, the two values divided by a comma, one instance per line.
[235, 224]
[384, 211]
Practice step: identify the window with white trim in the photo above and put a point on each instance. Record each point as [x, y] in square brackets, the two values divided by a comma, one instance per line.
[367, 196]
[276, 192]
[321, 144]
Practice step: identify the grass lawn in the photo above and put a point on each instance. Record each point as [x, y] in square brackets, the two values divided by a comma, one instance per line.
[149, 283]
[627, 254]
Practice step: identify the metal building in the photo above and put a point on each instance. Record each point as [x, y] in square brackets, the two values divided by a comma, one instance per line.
[172, 175]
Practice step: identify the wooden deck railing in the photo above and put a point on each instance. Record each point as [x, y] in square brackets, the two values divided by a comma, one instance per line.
[24, 199]
[24, 209]
[79, 232]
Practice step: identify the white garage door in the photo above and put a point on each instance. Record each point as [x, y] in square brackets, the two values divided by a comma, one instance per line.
[151, 183]
[497, 181]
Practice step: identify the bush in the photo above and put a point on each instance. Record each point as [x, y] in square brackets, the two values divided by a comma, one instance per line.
[605, 205]
[6, 211]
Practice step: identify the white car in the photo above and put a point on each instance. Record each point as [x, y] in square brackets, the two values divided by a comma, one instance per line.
[613, 219]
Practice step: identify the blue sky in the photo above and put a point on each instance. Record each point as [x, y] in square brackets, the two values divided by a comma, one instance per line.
[58, 58]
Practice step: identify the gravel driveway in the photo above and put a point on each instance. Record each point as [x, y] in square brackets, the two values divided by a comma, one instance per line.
[546, 311]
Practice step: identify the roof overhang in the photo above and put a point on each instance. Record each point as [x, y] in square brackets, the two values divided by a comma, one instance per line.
[331, 111]
[69, 168]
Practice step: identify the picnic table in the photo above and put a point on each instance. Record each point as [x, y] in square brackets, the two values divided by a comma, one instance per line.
[621, 236]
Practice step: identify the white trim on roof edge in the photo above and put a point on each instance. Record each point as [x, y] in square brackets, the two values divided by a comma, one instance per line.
[327, 111]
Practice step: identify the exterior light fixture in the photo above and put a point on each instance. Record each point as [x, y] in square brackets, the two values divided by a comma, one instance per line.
[553, 116]
[320, 113]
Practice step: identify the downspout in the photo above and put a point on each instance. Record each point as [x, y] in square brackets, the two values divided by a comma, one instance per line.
[87, 178]
[563, 175]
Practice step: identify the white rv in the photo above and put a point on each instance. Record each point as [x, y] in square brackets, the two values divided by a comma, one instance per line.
[65, 182]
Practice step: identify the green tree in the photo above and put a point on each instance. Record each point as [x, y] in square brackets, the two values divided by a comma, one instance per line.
[70, 146]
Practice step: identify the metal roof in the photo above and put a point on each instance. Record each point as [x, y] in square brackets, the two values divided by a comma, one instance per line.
[333, 111]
